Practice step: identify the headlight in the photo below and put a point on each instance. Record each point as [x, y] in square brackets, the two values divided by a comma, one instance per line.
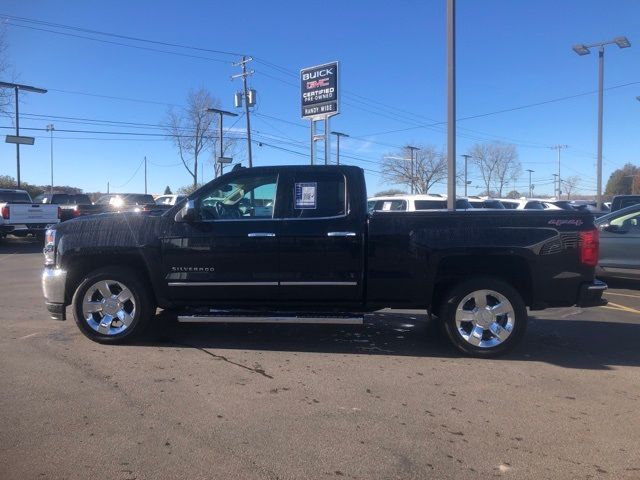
[49, 247]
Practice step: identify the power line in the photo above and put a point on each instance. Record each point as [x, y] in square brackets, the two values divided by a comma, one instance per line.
[111, 42]
[115, 35]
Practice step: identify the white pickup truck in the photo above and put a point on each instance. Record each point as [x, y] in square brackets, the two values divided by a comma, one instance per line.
[22, 217]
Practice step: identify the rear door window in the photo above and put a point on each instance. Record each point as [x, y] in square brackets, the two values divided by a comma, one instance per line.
[15, 197]
[430, 204]
[390, 205]
[534, 206]
[318, 195]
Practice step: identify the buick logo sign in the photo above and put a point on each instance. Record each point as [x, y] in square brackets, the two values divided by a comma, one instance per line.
[319, 91]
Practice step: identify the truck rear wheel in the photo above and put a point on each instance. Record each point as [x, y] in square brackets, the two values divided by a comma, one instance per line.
[484, 316]
[112, 305]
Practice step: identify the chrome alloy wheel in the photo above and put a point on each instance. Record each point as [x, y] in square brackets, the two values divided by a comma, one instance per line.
[485, 318]
[108, 307]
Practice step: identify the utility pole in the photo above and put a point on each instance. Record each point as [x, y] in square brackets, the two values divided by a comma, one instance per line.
[555, 181]
[413, 175]
[451, 104]
[107, 187]
[27, 88]
[338, 135]
[247, 100]
[145, 174]
[466, 158]
[530, 184]
[50, 129]
[558, 148]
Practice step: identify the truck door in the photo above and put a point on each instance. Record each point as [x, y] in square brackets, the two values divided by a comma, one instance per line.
[230, 251]
[321, 243]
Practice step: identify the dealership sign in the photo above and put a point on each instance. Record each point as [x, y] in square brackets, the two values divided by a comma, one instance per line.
[319, 88]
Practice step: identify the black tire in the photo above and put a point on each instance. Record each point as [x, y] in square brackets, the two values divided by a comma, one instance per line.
[144, 306]
[458, 293]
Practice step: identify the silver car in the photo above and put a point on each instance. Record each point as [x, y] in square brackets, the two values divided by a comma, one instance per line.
[620, 243]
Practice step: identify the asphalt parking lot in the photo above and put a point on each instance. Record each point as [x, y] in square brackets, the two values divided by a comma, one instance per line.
[390, 400]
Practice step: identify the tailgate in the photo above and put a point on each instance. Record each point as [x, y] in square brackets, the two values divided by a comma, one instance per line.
[26, 213]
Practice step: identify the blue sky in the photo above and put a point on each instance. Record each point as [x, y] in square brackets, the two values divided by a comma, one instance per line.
[510, 54]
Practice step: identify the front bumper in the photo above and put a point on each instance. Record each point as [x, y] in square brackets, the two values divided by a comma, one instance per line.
[54, 281]
[590, 294]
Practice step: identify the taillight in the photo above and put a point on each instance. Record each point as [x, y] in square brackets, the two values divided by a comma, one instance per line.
[589, 246]
[5, 212]
[76, 212]
[59, 213]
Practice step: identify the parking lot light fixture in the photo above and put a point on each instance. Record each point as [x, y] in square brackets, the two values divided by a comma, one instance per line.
[622, 42]
[582, 49]
[26, 88]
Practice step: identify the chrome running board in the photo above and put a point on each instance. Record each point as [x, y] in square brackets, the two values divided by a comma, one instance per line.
[228, 317]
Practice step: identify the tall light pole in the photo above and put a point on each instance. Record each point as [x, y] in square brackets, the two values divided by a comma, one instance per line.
[50, 129]
[466, 158]
[558, 148]
[530, 189]
[413, 175]
[27, 88]
[338, 135]
[581, 49]
[451, 104]
[222, 113]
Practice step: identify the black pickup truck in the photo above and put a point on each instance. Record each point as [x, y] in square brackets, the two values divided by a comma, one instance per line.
[295, 244]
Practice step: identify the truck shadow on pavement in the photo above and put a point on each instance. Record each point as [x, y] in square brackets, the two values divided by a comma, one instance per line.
[581, 344]
[19, 245]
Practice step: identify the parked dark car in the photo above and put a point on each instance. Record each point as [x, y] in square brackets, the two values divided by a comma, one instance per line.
[296, 245]
[623, 201]
[620, 243]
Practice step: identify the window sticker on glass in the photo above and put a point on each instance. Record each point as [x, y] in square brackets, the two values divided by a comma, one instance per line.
[306, 195]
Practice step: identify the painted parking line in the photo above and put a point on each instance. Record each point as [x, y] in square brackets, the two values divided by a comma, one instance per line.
[615, 306]
[622, 294]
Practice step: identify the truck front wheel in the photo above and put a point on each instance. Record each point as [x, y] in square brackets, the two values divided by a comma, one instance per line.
[112, 305]
[484, 317]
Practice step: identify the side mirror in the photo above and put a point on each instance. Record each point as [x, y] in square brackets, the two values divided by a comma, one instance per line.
[187, 213]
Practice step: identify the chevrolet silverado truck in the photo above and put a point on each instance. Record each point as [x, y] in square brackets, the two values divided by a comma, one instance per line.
[21, 216]
[295, 244]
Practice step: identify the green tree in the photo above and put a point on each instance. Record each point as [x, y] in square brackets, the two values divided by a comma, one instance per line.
[621, 181]
[167, 191]
[189, 189]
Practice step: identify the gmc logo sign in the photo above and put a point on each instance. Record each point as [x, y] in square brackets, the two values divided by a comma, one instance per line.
[324, 82]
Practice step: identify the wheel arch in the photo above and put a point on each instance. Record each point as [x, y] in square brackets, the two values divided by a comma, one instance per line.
[79, 266]
[512, 269]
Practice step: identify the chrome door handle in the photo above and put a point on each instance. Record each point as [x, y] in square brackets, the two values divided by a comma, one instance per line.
[341, 234]
[260, 234]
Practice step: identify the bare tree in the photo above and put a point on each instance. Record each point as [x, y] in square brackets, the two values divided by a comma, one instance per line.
[192, 129]
[429, 168]
[497, 164]
[571, 185]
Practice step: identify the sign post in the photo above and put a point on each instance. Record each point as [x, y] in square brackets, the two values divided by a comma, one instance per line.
[319, 89]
